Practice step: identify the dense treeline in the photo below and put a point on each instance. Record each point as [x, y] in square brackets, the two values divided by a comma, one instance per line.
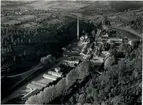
[121, 6]
[137, 23]
[121, 84]
[32, 43]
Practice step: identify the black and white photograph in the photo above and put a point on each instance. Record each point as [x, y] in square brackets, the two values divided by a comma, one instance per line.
[71, 52]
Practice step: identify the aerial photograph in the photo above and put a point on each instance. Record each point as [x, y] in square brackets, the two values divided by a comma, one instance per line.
[71, 52]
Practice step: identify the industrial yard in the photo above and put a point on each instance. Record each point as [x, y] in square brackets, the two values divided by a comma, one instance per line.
[71, 52]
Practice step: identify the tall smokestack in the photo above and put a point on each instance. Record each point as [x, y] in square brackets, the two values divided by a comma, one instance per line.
[77, 28]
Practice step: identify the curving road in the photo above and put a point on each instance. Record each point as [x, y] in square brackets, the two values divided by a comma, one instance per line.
[39, 66]
[130, 33]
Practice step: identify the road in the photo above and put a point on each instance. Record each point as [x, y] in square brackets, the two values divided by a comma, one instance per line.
[32, 73]
[22, 75]
[129, 32]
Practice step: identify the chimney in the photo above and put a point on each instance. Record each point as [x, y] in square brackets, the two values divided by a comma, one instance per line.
[77, 29]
